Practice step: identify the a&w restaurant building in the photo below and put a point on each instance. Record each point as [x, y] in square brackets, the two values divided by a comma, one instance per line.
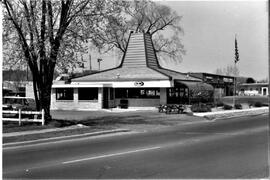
[139, 81]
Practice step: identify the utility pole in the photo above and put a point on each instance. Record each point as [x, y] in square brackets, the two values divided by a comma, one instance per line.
[90, 66]
[89, 51]
[27, 72]
[99, 60]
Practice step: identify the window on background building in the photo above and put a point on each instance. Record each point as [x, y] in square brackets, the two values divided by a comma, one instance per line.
[64, 94]
[228, 79]
[209, 78]
[88, 93]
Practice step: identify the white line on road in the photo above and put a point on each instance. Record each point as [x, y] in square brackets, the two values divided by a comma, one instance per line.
[111, 155]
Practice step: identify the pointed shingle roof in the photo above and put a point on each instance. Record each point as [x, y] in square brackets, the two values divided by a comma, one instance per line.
[139, 62]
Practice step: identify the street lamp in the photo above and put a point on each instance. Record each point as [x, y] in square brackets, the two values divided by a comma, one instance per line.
[99, 60]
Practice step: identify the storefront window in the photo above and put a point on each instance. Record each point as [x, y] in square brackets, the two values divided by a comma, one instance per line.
[64, 94]
[111, 94]
[178, 92]
[121, 93]
[137, 93]
[88, 93]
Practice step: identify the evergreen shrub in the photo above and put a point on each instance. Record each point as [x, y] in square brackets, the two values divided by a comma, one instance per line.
[227, 107]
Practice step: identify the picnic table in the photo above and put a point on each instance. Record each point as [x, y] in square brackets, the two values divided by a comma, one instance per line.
[171, 108]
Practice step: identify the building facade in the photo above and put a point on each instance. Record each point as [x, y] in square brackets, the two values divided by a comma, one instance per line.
[253, 89]
[223, 85]
[139, 80]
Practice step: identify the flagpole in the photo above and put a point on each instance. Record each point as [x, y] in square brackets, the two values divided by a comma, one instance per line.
[234, 75]
[235, 61]
[234, 85]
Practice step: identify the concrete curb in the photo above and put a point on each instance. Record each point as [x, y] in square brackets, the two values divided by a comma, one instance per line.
[232, 113]
[21, 133]
[64, 137]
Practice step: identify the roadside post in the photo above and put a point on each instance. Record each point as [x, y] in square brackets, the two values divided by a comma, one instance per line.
[20, 117]
[42, 117]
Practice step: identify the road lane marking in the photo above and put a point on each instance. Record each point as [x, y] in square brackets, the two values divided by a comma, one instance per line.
[190, 141]
[111, 155]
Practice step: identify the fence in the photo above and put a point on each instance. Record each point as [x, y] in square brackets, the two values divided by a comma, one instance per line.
[20, 119]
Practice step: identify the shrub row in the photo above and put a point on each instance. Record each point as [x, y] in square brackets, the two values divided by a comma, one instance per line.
[201, 108]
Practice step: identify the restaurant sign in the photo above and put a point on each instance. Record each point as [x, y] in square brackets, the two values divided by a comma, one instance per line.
[139, 83]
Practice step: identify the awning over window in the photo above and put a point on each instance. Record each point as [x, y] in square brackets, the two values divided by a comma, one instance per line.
[195, 85]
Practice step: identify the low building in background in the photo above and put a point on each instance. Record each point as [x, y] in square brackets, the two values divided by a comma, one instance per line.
[223, 85]
[253, 89]
[16, 83]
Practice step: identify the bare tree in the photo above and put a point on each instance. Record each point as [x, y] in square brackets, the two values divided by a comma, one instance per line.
[141, 16]
[229, 70]
[263, 80]
[47, 33]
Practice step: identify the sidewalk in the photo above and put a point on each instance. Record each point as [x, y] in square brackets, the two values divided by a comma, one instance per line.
[232, 113]
[21, 133]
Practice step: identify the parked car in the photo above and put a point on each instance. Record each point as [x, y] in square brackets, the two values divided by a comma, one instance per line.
[16, 103]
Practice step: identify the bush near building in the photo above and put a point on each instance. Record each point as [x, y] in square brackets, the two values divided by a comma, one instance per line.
[227, 107]
[237, 106]
[219, 104]
[258, 104]
[201, 107]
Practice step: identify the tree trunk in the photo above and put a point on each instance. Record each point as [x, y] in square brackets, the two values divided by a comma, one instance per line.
[35, 92]
[45, 100]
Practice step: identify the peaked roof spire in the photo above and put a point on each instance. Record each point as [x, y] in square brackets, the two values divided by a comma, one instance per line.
[139, 62]
[140, 51]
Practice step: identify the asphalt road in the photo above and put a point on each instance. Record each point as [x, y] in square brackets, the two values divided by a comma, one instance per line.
[231, 148]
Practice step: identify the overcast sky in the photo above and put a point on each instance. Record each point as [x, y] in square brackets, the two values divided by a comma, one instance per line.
[209, 31]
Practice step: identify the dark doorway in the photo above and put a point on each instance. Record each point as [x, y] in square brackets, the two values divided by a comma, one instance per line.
[264, 91]
[105, 102]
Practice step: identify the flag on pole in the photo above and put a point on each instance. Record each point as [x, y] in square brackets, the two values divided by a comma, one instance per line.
[236, 58]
